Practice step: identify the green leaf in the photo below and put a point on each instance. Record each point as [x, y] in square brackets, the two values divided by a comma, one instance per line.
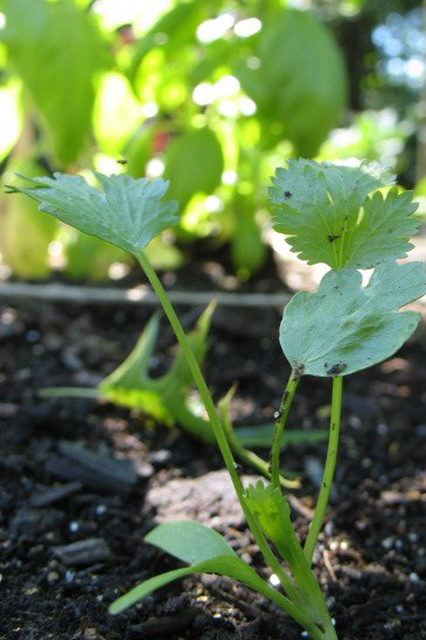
[328, 215]
[164, 398]
[127, 213]
[343, 327]
[208, 550]
[26, 233]
[172, 31]
[271, 510]
[300, 83]
[87, 257]
[133, 371]
[190, 541]
[57, 51]
[194, 163]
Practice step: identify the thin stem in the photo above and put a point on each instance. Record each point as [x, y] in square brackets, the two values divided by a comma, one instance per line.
[279, 428]
[215, 421]
[327, 480]
[197, 375]
[251, 458]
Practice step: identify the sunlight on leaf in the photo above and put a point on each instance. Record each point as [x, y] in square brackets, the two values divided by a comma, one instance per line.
[328, 215]
[127, 213]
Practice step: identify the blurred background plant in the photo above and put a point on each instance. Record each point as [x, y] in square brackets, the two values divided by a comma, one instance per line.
[212, 95]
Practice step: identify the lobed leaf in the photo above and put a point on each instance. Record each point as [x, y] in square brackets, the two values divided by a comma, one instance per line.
[205, 549]
[329, 216]
[128, 213]
[271, 509]
[343, 327]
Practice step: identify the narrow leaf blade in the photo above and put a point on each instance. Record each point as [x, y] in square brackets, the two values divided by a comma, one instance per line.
[207, 552]
[190, 541]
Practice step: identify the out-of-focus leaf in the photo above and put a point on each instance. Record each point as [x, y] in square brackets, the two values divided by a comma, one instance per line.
[194, 163]
[88, 257]
[26, 233]
[300, 81]
[194, 543]
[247, 247]
[117, 114]
[127, 213]
[329, 217]
[343, 327]
[57, 51]
[11, 117]
[174, 29]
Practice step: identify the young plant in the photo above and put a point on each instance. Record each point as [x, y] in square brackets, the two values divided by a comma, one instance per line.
[167, 398]
[331, 214]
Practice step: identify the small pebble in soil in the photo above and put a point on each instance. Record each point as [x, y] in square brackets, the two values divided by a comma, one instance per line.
[382, 429]
[32, 336]
[73, 527]
[414, 577]
[392, 625]
[388, 543]
[100, 509]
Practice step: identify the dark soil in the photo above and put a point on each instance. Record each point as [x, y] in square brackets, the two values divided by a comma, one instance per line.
[60, 485]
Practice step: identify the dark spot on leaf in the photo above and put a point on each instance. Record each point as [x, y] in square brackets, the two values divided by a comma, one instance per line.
[336, 369]
[122, 161]
[298, 371]
[287, 194]
[333, 237]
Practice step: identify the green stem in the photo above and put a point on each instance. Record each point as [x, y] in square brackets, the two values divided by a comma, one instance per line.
[251, 458]
[196, 373]
[215, 421]
[327, 480]
[279, 428]
[314, 602]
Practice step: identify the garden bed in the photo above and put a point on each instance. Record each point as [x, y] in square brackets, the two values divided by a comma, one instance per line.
[61, 487]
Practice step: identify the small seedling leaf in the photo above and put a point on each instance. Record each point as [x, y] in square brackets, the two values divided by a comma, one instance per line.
[190, 541]
[343, 327]
[126, 212]
[329, 217]
[271, 510]
[204, 548]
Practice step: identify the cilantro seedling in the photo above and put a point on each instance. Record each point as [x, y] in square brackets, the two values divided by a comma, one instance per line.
[330, 214]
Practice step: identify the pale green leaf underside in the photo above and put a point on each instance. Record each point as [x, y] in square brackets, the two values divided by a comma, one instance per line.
[127, 212]
[206, 550]
[329, 215]
[343, 327]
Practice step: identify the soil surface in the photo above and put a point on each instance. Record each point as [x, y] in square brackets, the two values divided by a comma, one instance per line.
[82, 482]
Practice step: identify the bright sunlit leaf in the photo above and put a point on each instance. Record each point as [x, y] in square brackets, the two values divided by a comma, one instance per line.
[329, 216]
[57, 51]
[127, 212]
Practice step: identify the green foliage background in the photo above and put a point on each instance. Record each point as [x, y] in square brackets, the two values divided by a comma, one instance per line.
[213, 95]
